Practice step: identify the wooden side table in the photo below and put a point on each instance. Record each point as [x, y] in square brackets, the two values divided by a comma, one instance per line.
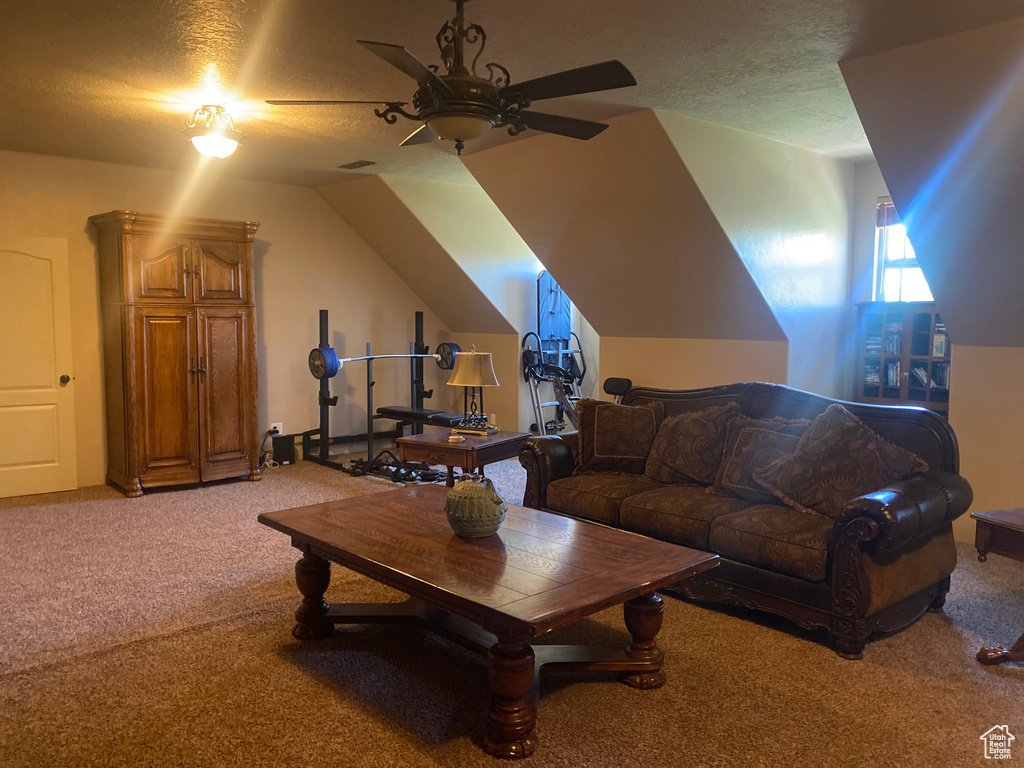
[1000, 532]
[471, 454]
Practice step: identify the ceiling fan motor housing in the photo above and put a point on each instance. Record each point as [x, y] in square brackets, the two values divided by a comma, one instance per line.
[471, 108]
[461, 105]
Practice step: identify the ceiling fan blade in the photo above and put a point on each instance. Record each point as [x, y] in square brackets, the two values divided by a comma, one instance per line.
[563, 126]
[596, 77]
[306, 102]
[422, 135]
[399, 57]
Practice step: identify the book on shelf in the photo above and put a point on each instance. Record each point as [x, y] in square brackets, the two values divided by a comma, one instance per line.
[940, 376]
[921, 374]
[892, 374]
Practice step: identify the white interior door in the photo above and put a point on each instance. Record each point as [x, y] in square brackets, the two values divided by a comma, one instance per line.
[37, 403]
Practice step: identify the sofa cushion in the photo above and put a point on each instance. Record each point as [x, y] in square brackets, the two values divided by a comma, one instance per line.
[681, 514]
[838, 458]
[596, 496]
[775, 537]
[751, 444]
[614, 437]
[689, 446]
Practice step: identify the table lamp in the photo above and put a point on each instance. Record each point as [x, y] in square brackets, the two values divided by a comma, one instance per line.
[473, 370]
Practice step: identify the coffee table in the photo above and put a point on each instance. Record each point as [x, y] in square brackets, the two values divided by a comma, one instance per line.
[1000, 532]
[494, 594]
[472, 453]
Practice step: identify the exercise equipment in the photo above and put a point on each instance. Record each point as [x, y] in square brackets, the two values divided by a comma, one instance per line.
[325, 364]
[553, 355]
[617, 387]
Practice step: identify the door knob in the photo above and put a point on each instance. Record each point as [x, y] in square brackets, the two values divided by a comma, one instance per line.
[64, 380]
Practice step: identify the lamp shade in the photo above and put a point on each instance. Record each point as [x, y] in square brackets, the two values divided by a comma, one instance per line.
[473, 369]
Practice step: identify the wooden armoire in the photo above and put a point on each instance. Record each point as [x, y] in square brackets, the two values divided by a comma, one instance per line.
[179, 341]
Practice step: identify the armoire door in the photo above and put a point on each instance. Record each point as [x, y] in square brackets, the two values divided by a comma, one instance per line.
[159, 269]
[166, 374]
[226, 391]
[221, 273]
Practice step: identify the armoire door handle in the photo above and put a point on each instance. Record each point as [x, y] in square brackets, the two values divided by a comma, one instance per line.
[202, 369]
[192, 363]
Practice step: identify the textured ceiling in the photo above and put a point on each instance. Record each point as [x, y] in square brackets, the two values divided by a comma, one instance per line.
[113, 80]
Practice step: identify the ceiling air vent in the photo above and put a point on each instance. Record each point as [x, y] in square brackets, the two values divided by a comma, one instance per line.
[356, 165]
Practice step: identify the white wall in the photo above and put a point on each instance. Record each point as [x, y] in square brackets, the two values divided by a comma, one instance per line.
[985, 411]
[787, 213]
[668, 363]
[480, 240]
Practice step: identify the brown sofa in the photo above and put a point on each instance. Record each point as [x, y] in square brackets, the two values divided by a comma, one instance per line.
[790, 541]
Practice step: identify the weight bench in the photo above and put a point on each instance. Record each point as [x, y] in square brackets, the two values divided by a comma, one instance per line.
[405, 414]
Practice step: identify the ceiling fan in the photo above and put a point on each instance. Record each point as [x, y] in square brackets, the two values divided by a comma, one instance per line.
[462, 105]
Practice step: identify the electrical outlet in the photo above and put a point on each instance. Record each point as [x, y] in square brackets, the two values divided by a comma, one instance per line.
[279, 426]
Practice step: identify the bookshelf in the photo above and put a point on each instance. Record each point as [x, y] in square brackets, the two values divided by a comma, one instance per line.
[902, 355]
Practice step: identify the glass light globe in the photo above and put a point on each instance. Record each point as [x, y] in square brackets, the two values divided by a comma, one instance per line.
[459, 127]
[214, 145]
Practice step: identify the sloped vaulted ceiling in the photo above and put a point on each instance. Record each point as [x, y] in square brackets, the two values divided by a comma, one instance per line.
[382, 219]
[623, 228]
[945, 119]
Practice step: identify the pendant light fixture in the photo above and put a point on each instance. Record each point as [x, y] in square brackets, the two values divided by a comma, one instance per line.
[212, 131]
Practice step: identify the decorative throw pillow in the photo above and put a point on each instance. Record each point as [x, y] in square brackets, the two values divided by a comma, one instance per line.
[689, 446]
[838, 458]
[751, 444]
[614, 437]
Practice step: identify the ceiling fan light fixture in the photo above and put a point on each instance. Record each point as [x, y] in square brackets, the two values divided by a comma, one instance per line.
[458, 102]
[212, 131]
[459, 127]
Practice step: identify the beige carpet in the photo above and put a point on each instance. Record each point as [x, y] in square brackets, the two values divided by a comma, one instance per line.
[156, 632]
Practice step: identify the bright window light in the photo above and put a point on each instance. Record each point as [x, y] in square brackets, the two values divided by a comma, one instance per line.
[898, 277]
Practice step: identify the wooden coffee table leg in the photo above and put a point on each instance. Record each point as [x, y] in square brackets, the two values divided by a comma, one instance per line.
[313, 576]
[513, 714]
[643, 617]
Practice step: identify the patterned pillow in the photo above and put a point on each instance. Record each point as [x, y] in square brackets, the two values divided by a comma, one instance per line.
[751, 444]
[614, 437]
[838, 458]
[689, 446]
